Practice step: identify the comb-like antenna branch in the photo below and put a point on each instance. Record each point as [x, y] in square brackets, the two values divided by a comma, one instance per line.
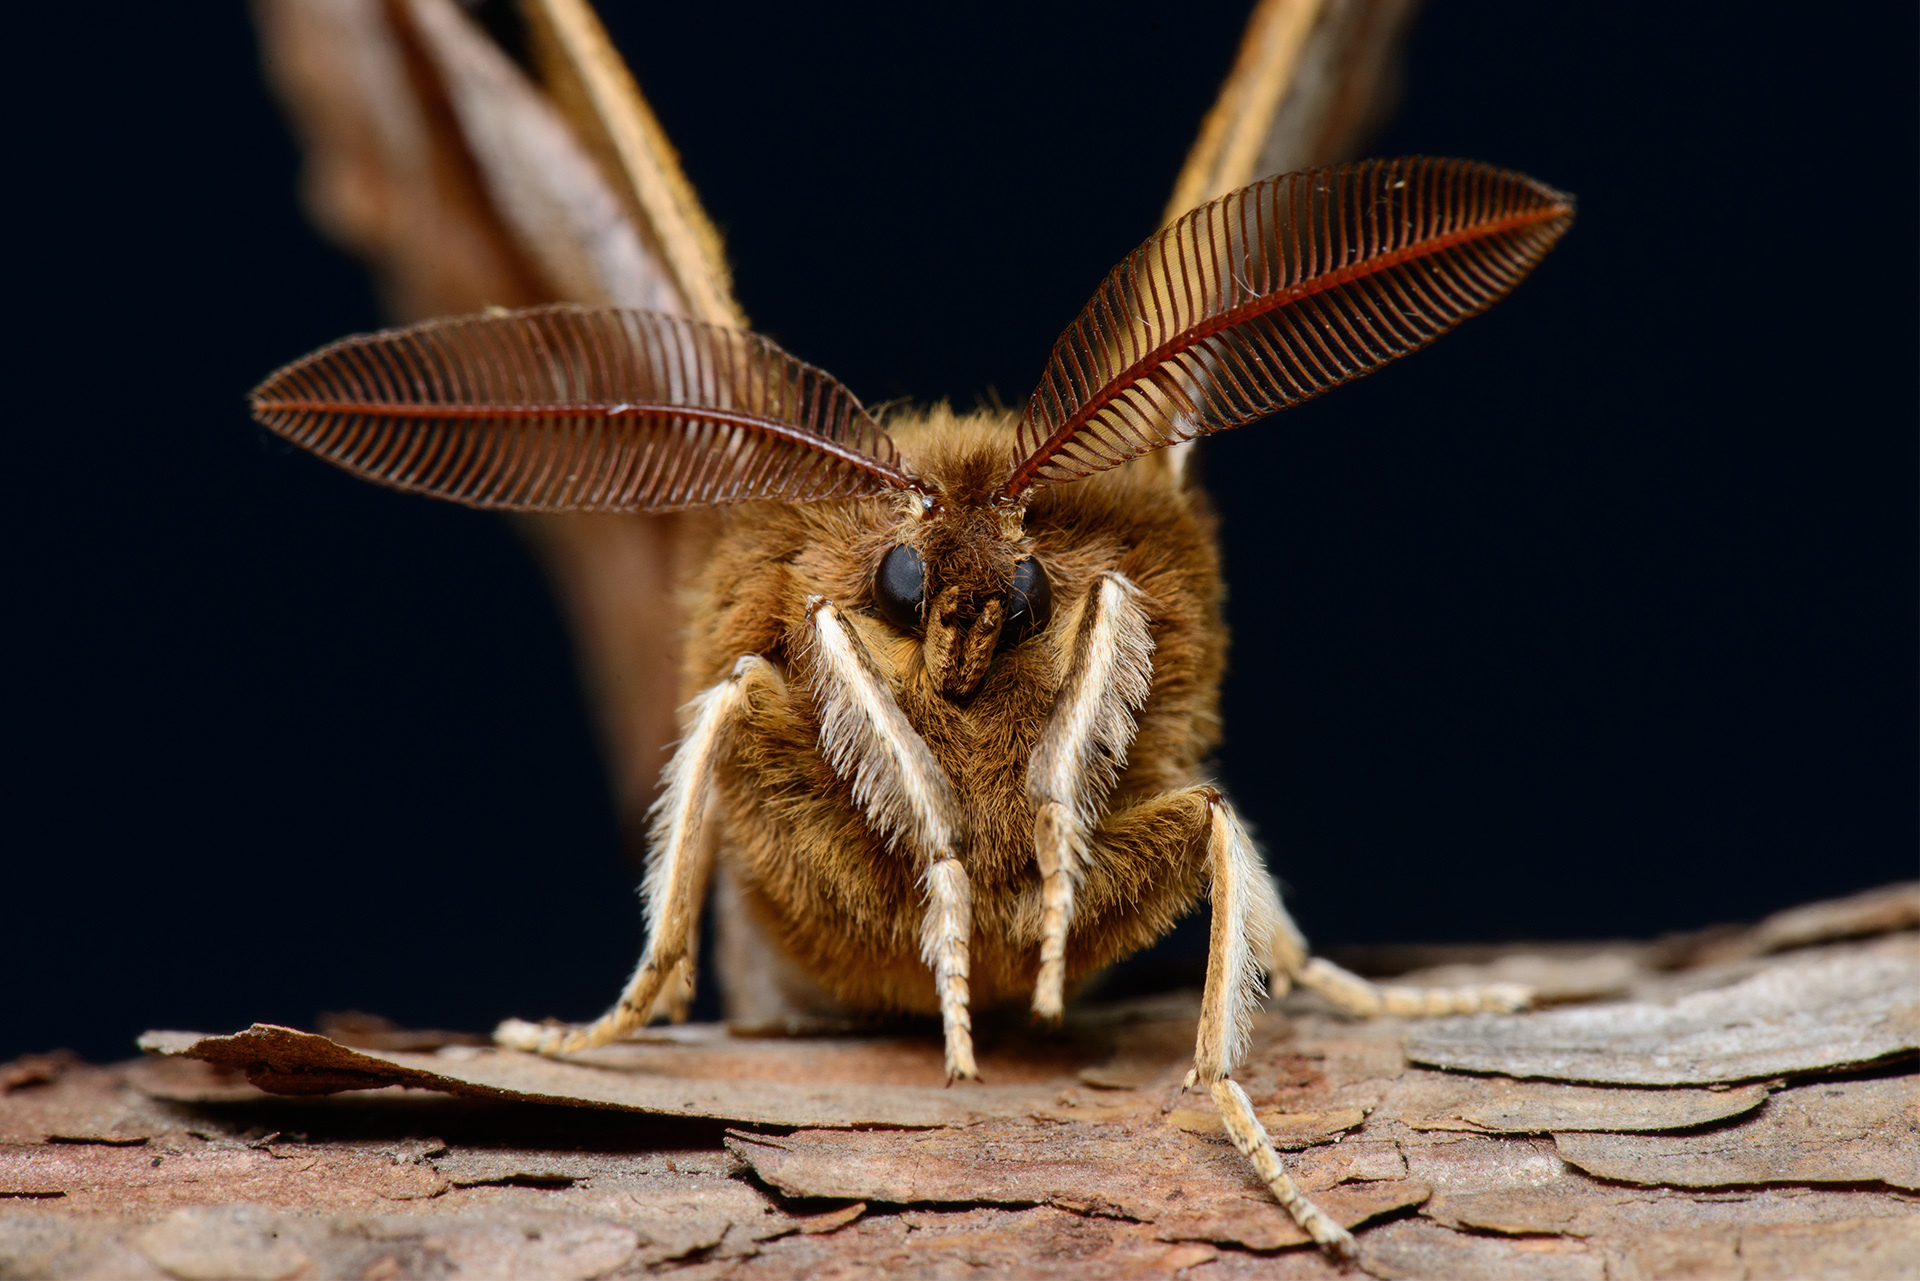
[1271, 295]
[581, 409]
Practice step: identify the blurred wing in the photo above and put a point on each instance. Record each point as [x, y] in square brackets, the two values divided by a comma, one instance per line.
[1313, 79]
[1275, 293]
[429, 152]
[557, 203]
[593, 89]
[386, 172]
[581, 409]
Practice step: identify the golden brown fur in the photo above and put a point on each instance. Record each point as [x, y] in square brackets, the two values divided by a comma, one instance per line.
[830, 892]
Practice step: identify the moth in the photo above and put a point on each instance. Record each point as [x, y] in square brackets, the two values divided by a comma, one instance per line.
[951, 679]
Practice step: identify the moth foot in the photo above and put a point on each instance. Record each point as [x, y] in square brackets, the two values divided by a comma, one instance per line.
[534, 1038]
[1048, 1005]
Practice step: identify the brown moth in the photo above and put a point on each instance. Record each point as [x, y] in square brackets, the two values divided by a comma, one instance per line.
[952, 678]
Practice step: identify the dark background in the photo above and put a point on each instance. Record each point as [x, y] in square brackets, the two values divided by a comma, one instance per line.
[1597, 619]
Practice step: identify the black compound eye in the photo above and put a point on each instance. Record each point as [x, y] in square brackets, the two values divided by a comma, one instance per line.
[1029, 603]
[900, 588]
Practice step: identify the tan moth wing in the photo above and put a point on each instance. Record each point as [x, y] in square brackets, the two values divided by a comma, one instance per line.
[1275, 293]
[431, 154]
[385, 170]
[590, 84]
[570, 408]
[1312, 80]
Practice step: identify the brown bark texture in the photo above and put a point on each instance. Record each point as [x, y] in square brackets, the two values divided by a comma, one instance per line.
[1731, 1104]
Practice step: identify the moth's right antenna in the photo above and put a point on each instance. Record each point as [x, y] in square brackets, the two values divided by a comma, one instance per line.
[1275, 293]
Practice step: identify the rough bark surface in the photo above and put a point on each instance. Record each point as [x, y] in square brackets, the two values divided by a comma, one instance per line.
[374, 1153]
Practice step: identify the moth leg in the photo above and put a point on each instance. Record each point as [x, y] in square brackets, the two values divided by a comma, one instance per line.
[1289, 962]
[946, 932]
[908, 798]
[676, 994]
[679, 861]
[1079, 755]
[683, 985]
[1060, 848]
[1349, 992]
[1241, 941]
[1286, 956]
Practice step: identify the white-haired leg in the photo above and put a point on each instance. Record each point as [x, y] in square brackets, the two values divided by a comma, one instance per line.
[907, 798]
[946, 932]
[1349, 992]
[1289, 962]
[679, 861]
[1079, 755]
[1238, 950]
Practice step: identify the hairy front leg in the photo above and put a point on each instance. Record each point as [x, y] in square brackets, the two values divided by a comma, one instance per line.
[908, 798]
[679, 861]
[1079, 755]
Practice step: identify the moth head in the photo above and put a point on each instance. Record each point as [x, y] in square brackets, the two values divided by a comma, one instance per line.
[961, 575]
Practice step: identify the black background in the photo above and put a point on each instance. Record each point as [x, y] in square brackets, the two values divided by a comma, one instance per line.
[1597, 619]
